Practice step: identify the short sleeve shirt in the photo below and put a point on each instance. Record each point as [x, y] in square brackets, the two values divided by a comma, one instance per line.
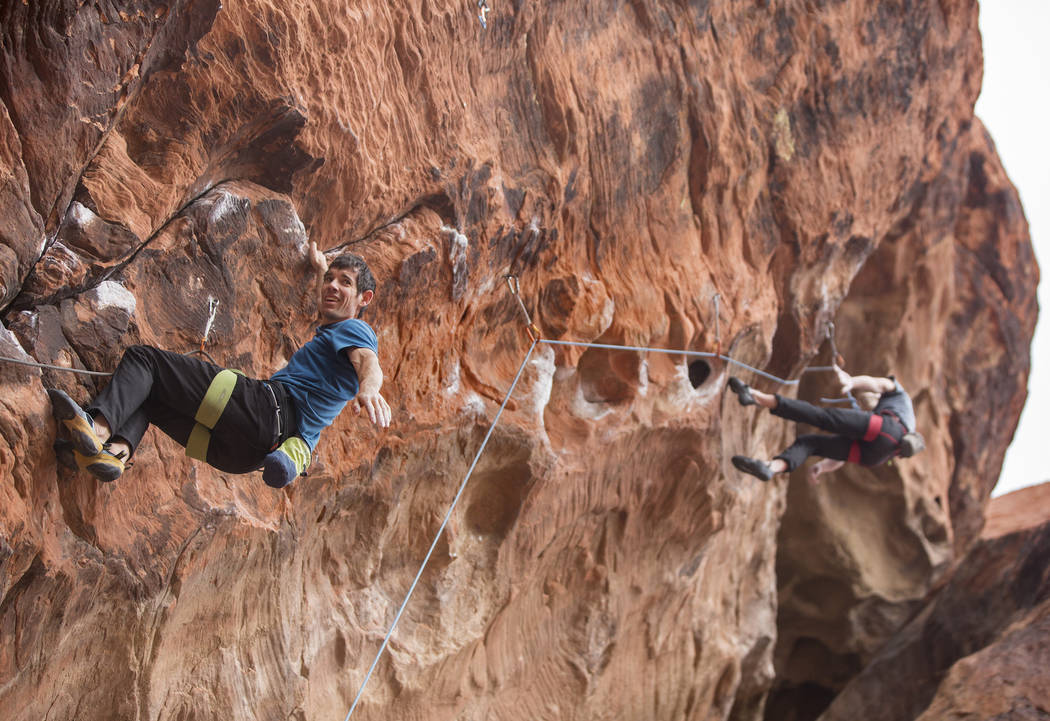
[320, 377]
[899, 403]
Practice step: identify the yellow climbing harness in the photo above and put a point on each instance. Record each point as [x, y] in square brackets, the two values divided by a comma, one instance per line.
[209, 412]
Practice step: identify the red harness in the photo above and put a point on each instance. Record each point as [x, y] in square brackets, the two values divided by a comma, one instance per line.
[873, 432]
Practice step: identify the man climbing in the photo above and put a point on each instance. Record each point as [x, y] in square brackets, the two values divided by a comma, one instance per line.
[234, 423]
[865, 437]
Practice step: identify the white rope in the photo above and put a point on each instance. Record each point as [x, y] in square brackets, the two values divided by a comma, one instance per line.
[51, 367]
[534, 333]
[441, 529]
[694, 353]
[213, 307]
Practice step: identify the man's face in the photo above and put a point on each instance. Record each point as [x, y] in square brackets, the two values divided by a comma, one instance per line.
[339, 297]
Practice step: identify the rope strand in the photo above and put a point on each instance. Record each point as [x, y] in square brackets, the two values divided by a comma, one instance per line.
[693, 353]
[441, 529]
[213, 306]
[32, 364]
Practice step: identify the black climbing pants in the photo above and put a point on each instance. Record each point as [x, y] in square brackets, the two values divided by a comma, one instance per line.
[163, 388]
[849, 426]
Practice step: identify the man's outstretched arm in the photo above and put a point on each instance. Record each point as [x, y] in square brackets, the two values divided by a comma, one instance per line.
[370, 376]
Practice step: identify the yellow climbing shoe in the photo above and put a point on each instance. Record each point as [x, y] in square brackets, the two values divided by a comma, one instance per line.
[81, 429]
[104, 465]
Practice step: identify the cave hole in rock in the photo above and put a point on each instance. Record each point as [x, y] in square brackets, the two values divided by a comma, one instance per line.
[609, 376]
[498, 490]
[441, 204]
[699, 372]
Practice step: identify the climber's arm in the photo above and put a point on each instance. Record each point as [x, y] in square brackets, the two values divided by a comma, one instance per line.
[825, 465]
[370, 376]
[864, 384]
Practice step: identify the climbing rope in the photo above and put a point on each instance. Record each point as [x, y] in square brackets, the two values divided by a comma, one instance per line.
[534, 334]
[441, 529]
[671, 351]
[213, 307]
[32, 364]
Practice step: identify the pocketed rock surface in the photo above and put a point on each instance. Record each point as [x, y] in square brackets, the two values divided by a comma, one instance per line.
[712, 176]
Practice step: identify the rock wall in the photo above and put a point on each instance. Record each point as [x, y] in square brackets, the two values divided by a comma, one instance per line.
[857, 556]
[978, 650]
[629, 162]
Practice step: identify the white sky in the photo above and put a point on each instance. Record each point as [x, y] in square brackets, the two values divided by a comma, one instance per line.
[1015, 107]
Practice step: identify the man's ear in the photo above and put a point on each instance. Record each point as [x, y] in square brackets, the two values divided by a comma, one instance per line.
[366, 297]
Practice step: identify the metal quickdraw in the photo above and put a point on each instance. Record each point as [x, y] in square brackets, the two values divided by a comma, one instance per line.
[530, 327]
[213, 307]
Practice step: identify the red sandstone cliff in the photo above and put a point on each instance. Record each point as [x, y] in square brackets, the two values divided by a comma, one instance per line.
[807, 162]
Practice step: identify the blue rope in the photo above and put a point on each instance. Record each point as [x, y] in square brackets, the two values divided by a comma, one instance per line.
[441, 530]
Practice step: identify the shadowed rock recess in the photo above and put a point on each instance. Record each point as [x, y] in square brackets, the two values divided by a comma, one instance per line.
[806, 162]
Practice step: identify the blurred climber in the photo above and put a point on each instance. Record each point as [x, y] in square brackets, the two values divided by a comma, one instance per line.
[234, 423]
[865, 437]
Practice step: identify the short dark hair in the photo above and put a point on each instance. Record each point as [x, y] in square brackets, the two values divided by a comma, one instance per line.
[350, 261]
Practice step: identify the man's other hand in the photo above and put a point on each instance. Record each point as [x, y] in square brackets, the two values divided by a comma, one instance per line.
[375, 405]
[824, 465]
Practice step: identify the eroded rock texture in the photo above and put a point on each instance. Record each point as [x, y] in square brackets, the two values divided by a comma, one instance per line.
[978, 650]
[629, 161]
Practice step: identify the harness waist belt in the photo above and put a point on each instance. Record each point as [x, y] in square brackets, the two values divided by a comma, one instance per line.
[874, 426]
[287, 418]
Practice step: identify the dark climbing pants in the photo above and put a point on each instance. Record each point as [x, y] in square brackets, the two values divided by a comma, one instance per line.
[166, 389]
[849, 427]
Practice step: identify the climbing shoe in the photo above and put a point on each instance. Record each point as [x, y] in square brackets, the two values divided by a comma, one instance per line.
[754, 467]
[77, 422]
[64, 454]
[286, 463]
[742, 390]
[103, 465]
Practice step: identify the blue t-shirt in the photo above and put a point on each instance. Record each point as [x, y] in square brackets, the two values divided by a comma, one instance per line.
[320, 377]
